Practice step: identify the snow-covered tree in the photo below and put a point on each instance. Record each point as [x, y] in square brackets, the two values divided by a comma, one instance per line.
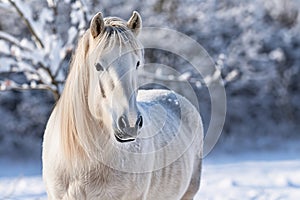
[43, 53]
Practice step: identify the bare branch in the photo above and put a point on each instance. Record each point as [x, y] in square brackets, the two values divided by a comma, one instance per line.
[38, 41]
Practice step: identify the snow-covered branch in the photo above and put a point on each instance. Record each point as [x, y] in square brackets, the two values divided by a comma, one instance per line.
[12, 85]
[38, 41]
[11, 39]
[183, 78]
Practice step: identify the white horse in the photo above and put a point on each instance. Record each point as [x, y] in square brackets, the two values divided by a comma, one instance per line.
[107, 140]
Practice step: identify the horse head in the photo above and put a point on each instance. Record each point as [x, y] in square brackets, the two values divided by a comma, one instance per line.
[114, 55]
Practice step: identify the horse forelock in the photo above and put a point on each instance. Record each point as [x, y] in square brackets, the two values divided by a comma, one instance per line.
[115, 33]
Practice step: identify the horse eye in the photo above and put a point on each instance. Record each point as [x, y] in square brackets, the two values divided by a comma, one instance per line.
[99, 67]
[137, 64]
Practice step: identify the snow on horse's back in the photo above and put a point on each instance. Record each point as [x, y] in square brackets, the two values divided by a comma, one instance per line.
[105, 139]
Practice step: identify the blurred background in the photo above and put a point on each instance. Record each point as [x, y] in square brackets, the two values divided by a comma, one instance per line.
[254, 43]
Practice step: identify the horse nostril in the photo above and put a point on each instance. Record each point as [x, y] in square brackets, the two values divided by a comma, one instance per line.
[122, 123]
[139, 122]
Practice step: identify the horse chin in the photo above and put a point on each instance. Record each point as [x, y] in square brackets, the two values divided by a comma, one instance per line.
[124, 138]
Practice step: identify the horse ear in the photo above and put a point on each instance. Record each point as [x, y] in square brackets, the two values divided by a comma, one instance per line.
[135, 23]
[97, 25]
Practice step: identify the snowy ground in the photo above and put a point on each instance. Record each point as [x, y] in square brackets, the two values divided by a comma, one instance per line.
[266, 177]
[21, 180]
[260, 175]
